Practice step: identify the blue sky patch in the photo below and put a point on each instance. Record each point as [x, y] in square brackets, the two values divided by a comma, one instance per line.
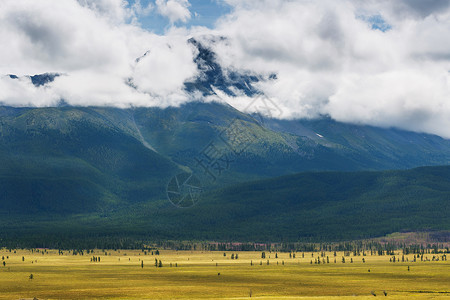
[376, 22]
[203, 13]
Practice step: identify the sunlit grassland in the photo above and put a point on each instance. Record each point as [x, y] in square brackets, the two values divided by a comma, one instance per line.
[119, 275]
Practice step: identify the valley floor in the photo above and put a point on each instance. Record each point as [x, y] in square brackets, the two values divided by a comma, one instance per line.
[195, 274]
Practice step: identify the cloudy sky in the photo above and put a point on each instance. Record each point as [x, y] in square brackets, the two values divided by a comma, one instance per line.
[383, 63]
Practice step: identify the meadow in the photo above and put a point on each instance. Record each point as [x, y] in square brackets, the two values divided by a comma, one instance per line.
[132, 274]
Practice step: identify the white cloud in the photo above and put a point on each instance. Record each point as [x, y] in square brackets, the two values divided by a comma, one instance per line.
[95, 46]
[40, 35]
[117, 11]
[330, 61]
[114, 10]
[139, 10]
[327, 57]
[21, 92]
[174, 10]
[170, 58]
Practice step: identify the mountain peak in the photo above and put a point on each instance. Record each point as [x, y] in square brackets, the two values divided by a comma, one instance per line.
[214, 76]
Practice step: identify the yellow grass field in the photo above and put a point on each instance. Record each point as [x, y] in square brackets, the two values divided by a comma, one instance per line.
[119, 275]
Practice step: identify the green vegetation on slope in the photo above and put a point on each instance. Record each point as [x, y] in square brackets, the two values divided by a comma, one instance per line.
[66, 160]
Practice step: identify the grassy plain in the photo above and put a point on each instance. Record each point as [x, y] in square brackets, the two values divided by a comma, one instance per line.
[119, 275]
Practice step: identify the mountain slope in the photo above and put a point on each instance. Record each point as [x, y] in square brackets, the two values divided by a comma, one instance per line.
[69, 160]
[287, 146]
[373, 147]
[81, 159]
[179, 138]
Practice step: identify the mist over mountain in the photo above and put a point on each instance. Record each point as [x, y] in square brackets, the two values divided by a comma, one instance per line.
[356, 62]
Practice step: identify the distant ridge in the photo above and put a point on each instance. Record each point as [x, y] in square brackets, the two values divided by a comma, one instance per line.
[39, 79]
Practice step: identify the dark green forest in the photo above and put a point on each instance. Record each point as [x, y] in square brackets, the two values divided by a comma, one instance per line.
[312, 206]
